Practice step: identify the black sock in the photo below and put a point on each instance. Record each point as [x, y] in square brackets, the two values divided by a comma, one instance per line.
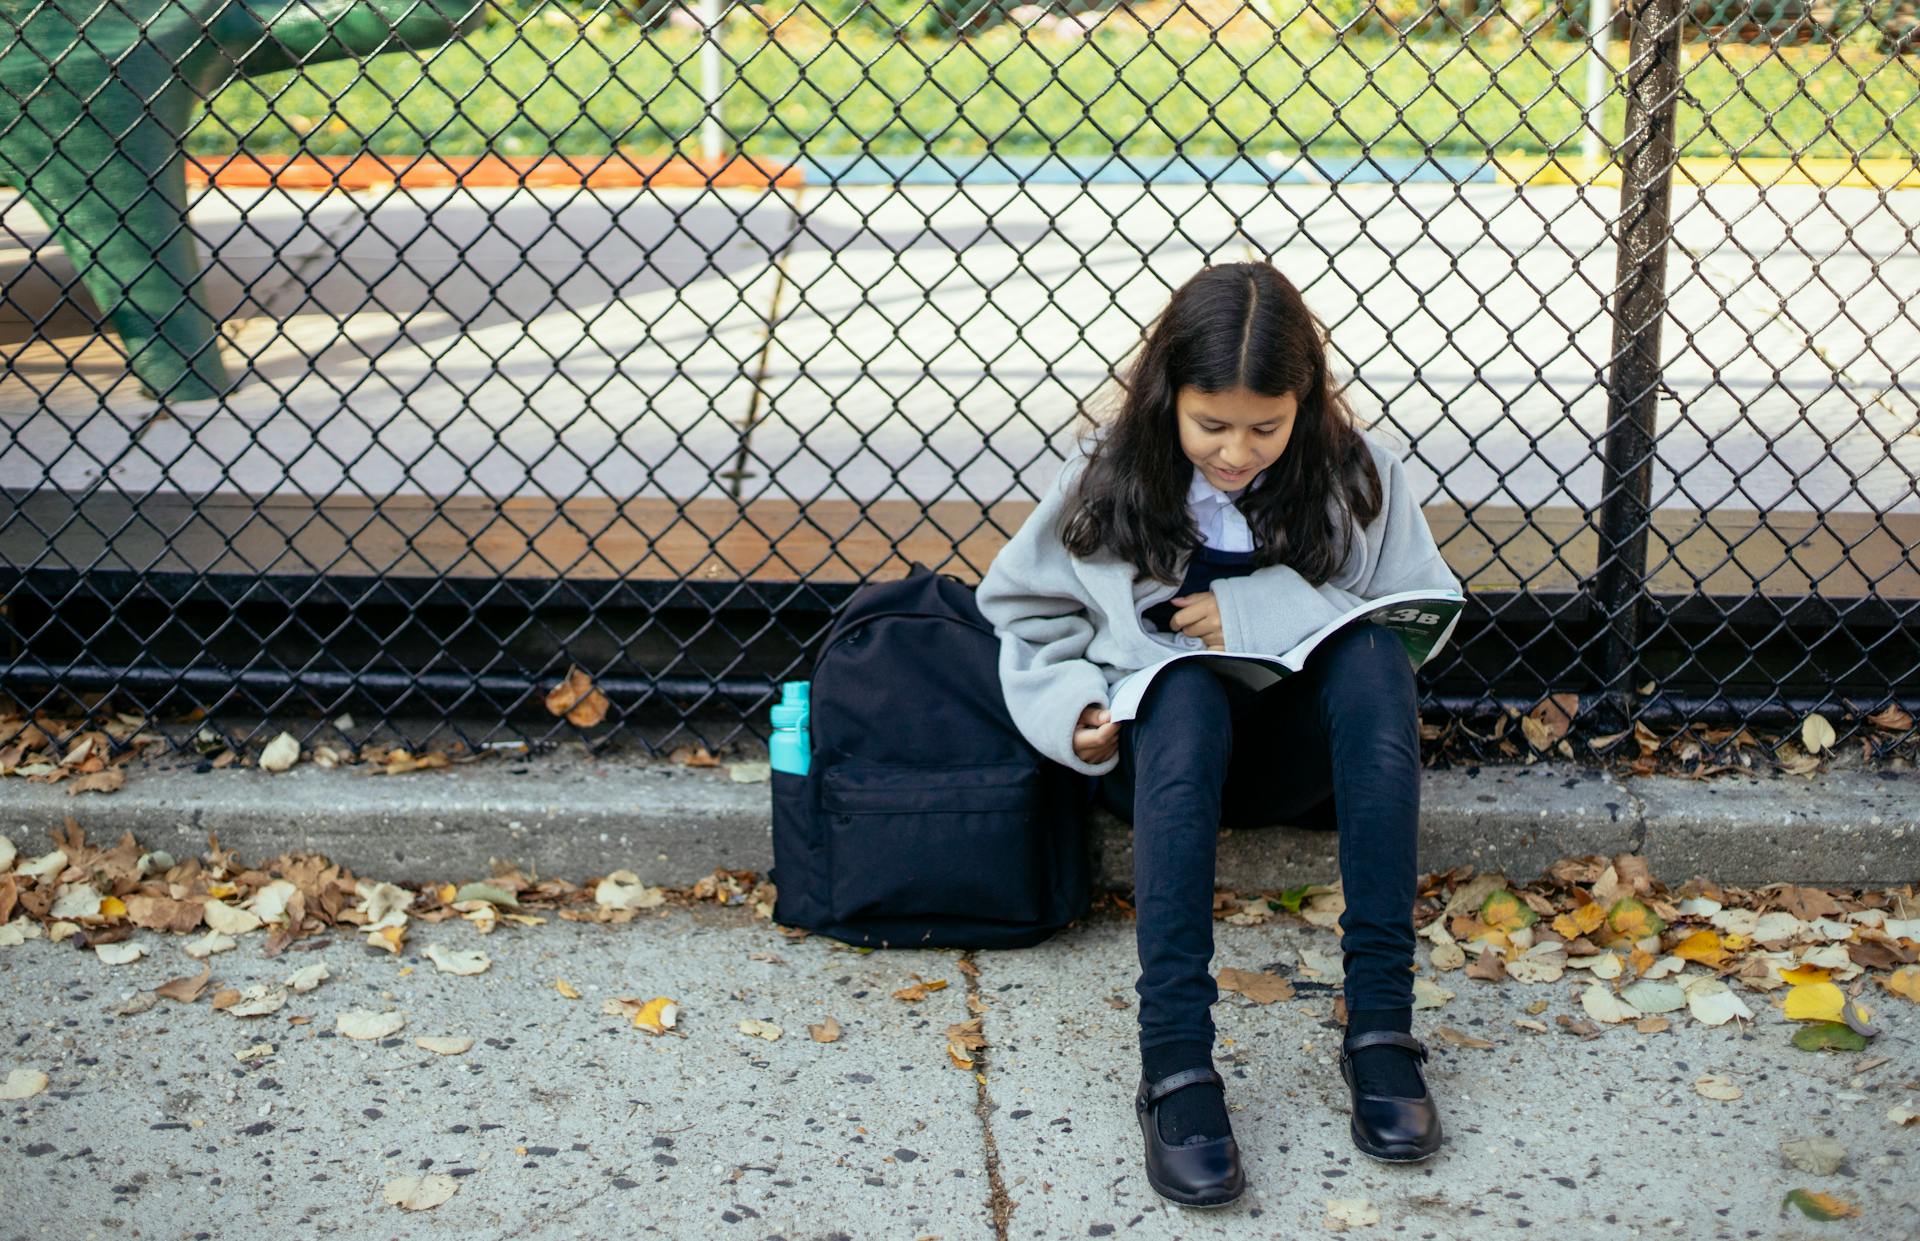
[1192, 1113]
[1384, 1070]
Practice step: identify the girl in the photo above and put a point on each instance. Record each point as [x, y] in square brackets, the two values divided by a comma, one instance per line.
[1231, 503]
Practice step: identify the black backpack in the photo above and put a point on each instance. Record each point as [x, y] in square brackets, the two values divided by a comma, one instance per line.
[925, 819]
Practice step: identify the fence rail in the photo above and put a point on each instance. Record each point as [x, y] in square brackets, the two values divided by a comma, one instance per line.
[398, 357]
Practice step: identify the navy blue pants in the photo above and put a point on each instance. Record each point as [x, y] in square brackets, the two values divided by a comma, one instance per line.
[1203, 754]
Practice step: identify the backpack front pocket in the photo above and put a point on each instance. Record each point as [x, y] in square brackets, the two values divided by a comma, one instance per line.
[948, 841]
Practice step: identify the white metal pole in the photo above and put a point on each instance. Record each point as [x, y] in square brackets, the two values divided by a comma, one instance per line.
[1599, 83]
[713, 134]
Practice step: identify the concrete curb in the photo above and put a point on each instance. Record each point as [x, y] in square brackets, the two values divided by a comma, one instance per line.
[574, 816]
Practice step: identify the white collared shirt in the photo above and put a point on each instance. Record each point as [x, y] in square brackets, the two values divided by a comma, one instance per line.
[1222, 526]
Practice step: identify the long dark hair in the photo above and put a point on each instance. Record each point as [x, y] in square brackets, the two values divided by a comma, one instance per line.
[1236, 325]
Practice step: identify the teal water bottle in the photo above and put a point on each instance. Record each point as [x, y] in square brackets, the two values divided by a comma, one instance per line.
[789, 748]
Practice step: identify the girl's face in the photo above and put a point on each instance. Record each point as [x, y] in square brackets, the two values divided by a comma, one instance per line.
[1233, 435]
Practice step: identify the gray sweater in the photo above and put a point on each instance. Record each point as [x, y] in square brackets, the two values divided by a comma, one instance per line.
[1070, 627]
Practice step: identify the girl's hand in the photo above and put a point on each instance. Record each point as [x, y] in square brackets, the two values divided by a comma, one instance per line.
[1199, 617]
[1096, 737]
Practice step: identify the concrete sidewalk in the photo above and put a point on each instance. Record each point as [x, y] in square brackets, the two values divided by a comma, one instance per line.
[562, 1122]
[572, 815]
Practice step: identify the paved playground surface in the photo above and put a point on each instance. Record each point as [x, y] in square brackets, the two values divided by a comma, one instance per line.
[870, 342]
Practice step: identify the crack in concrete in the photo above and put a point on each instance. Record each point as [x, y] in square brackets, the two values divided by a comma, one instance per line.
[998, 1203]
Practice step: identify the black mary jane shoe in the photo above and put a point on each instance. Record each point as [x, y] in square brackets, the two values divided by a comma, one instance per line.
[1391, 1129]
[1203, 1174]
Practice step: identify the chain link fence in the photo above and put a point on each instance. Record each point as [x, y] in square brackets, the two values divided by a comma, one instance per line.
[399, 357]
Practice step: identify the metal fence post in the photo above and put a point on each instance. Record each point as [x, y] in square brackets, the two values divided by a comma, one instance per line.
[713, 133]
[1633, 381]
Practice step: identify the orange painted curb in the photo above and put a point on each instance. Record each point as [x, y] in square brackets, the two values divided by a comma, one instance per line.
[366, 172]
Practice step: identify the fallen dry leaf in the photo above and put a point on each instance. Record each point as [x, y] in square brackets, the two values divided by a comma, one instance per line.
[122, 953]
[566, 989]
[1489, 966]
[1603, 1005]
[967, 1034]
[420, 1193]
[761, 1029]
[577, 699]
[623, 890]
[657, 1015]
[22, 1084]
[1345, 1213]
[1815, 1001]
[1904, 982]
[1460, 1038]
[158, 913]
[1713, 1003]
[918, 991]
[227, 920]
[1816, 734]
[185, 989]
[1255, 985]
[360, 1024]
[208, 944]
[1817, 1206]
[452, 961]
[258, 1000]
[827, 1031]
[306, 979]
[1716, 1086]
[444, 1046]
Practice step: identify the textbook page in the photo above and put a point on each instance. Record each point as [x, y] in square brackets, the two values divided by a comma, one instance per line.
[1422, 619]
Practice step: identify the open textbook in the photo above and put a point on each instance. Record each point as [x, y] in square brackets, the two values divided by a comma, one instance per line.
[1423, 620]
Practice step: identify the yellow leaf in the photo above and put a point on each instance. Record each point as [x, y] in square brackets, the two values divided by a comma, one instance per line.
[112, 907]
[1801, 975]
[1629, 919]
[1815, 1001]
[1584, 920]
[566, 989]
[959, 1056]
[1641, 960]
[1701, 946]
[1734, 942]
[1495, 938]
[221, 891]
[1504, 911]
[657, 1015]
[1904, 981]
[1820, 1206]
[446, 893]
[388, 937]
